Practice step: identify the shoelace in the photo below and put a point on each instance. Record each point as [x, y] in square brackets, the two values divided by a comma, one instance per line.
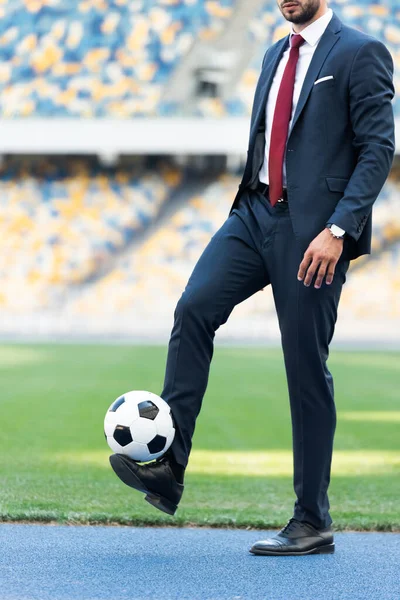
[289, 526]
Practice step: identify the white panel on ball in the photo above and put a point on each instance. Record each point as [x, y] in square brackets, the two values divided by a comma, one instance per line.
[111, 418]
[164, 424]
[143, 430]
[139, 396]
[137, 451]
[170, 438]
[115, 447]
[126, 413]
[109, 427]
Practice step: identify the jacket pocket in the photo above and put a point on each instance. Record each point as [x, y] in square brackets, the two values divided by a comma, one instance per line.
[336, 184]
[328, 84]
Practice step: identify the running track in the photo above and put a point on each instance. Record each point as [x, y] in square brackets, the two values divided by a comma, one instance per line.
[45, 562]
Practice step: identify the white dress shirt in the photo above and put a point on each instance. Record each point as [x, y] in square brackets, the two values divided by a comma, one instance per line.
[312, 34]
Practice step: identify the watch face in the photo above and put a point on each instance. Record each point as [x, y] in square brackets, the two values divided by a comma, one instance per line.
[337, 231]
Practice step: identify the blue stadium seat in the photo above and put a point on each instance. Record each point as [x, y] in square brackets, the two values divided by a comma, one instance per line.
[380, 19]
[113, 59]
[150, 279]
[95, 59]
[61, 222]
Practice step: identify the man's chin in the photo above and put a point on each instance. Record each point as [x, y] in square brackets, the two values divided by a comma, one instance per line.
[293, 17]
[297, 18]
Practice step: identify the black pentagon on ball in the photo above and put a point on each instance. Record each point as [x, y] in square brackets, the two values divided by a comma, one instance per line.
[157, 444]
[122, 435]
[117, 404]
[148, 410]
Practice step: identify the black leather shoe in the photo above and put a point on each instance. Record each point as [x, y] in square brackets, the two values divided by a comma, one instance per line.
[297, 538]
[156, 480]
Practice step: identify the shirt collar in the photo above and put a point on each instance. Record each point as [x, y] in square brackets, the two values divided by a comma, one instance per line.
[313, 32]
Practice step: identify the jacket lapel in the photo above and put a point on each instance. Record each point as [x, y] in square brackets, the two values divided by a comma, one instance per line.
[325, 45]
[265, 82]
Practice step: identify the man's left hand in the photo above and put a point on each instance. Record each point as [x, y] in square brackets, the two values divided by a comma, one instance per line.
[320, 259]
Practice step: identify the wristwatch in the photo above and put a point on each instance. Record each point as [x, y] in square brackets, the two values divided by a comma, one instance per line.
[336, 231]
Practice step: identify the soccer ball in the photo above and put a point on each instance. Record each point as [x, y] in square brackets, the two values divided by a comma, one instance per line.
[140, 425]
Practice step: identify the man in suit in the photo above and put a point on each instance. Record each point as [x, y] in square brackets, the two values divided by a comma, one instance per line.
[321, 147]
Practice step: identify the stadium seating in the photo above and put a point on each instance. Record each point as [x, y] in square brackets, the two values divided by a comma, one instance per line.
[381, 20]
[62, 221]
[378, 275]
[160, 267]
[96, 58]
[70, 244]
[147, 282]
[387, 217]
[373, 291]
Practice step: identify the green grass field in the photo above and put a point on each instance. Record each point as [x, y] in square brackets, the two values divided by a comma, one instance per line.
[54, 459]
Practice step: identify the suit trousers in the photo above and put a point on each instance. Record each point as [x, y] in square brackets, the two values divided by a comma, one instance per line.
[255, 247]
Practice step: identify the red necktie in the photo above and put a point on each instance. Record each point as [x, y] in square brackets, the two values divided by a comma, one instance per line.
[280, 125]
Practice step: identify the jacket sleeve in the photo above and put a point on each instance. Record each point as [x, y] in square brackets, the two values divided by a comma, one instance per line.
[371, 92]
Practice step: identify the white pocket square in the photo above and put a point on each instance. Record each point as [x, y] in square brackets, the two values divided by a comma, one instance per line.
[324, 79]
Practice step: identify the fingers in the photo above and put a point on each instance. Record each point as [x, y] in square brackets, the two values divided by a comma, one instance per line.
[304, 266]
[321, 274]
[312, 269]
[319, 267]
[320, 259]
[331, 273]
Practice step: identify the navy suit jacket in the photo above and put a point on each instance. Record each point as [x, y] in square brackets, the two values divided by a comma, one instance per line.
[341, 142]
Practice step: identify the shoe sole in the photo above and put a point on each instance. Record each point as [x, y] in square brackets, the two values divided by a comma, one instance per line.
[123, 471]
[326, 549]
